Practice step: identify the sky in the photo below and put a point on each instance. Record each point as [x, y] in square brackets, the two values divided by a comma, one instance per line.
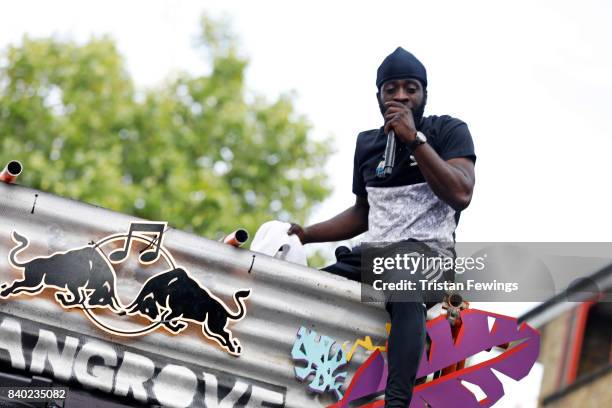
[531, 79]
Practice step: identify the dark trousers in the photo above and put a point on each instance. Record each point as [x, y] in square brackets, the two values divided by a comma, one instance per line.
[407, 337]
[406, 344]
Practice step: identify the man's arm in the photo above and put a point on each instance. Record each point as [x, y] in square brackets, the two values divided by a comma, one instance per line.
[348, 224]
[453, 180]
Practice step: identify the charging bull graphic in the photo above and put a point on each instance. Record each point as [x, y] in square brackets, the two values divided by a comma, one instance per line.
[174, 297]
[75, 273]
[85, 278]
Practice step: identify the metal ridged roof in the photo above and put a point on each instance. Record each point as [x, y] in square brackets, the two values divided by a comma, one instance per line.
[284, 296]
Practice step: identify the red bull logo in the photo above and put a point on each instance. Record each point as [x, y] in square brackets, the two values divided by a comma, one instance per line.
[85, 278]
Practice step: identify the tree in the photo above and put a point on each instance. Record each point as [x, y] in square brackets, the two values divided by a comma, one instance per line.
[193, 152]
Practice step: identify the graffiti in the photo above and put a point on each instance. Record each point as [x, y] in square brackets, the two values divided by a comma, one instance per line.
[321, 361]
[252, 263]
[85, 278]
[365, 343]
[448, 390]
[147, 377]
[369, 380]
[34, 204]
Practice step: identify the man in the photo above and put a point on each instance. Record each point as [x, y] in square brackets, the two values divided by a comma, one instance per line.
[431, 183]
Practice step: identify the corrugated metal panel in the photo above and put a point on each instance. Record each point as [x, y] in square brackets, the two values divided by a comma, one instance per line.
[284, 296]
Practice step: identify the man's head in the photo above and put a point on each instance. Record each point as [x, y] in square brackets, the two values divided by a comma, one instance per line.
[402, 77]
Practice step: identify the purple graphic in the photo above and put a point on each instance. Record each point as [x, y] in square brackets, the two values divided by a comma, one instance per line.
[448, 391]
[370, 378]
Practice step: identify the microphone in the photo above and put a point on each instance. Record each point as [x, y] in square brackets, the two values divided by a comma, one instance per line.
[389, 154]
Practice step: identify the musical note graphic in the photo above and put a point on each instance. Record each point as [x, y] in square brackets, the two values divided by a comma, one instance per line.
[149, 256]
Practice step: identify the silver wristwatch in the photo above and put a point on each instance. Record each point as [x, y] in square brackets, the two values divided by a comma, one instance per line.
[420, 139]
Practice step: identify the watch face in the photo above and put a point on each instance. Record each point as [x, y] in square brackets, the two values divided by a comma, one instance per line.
[421, 137]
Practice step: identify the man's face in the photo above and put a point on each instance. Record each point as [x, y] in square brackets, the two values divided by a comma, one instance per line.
[410, 92]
